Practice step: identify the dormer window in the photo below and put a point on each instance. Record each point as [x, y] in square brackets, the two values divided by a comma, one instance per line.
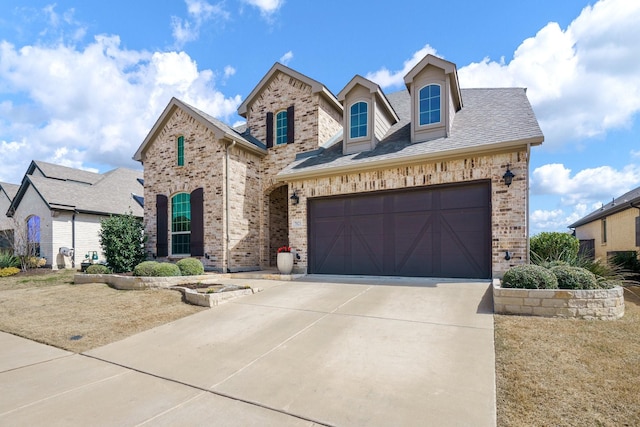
[281, 127]
[429, 104]
[358, 120]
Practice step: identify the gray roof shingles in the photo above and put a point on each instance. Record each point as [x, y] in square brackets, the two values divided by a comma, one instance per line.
[628, 200]
[489, 117]
[10, 189]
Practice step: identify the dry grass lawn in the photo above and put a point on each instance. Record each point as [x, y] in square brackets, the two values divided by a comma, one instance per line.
[49, 308]
[561, 372]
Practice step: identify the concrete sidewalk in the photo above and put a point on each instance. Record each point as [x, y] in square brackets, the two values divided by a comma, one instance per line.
[323, 350]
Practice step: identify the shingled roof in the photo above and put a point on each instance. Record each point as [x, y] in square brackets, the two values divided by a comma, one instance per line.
[626, 201]
[491, 119]
[115, 192]
[9, 189]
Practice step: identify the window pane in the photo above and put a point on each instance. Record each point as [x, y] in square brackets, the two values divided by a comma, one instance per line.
[181, 151]
[180, 243]
[281, 127]
[429, 104]
[358, 120]
[180, 223]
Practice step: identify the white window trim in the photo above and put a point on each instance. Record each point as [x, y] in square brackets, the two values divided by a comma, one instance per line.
[435, 124]
[366, 135]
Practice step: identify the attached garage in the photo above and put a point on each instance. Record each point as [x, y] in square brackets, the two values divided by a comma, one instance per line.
[436, 231]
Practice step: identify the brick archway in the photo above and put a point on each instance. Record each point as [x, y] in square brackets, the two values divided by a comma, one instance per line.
[278, 222]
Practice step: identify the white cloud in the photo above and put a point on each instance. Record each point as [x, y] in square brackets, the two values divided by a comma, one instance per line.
[286, 57]
[588, 186]
[267, 7]
[556, 219]
[395, 79]
[200, 12]
[229, 71]
[92, 105]
[635, 153]
[581, 81]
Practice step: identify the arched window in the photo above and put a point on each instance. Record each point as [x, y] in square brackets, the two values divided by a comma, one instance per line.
[358, 119]
[33, 235]
[429, 105]
[180, 224]
[281, 127]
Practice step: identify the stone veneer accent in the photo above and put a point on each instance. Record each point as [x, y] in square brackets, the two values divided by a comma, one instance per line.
[602, 304]
[508, 204]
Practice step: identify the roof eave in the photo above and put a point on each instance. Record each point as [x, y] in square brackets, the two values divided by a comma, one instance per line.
[405, 160]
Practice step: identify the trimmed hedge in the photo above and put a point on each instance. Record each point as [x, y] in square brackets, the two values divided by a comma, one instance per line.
[190, 267]
[9, 271]
[529, 277]
[166, 269]
[98, 269]
[575, 278]
[145, 268]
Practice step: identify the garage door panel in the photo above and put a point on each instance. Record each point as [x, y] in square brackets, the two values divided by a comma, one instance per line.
[437, 231]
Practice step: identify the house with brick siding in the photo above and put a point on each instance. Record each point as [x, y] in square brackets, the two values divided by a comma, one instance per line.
[429, 181]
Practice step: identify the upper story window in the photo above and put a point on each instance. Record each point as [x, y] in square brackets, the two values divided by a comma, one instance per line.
[281, 127]
[429, 103]
[603, 230]
[180, 224]
[180, 151]
[358, 119]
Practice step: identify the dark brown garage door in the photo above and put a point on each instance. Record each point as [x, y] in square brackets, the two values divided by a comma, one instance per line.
[439, 231]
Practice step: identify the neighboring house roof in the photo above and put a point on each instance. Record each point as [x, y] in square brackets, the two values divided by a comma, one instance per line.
[316, 87]
[626, 201]
[9, 189]
[115, 192]
[220, 129]
[53, 171]
[492, 119]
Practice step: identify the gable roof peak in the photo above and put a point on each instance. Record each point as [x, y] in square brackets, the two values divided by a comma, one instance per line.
[448, 67]
[373, 88]
[316, 87]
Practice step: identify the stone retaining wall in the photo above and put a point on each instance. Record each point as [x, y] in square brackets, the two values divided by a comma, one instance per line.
[603, 304]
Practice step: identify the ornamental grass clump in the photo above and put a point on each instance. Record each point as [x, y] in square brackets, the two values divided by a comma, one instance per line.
[574, 278]
[166, 269]
[190, 267]
[98, 269]
[529, 277]
[145, 268]
[7, 259]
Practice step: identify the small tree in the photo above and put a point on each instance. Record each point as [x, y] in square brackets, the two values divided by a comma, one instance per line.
[554, 246]
[18, 240]
[122, 240]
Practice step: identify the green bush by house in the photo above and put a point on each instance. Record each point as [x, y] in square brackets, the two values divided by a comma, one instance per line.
[190, 267]
[529, 277]
[574, 277]
[166, 269]
[554, 246]
[145, 268]
[98, 269]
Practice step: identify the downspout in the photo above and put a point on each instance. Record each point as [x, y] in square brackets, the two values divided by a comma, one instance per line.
[226, 205]
[73, 240]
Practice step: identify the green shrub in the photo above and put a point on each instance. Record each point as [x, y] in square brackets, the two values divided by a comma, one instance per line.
[7, 259]
[122, 241]
[9, 271]
[190, 267]
[575, 278]
[145, 268]
[529, 277]
[166, 269]
[554, 246]
[98, 269]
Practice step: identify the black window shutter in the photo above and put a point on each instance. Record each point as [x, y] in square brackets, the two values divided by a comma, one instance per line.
[638, 231]
[269, 130]
[197, 222]
[162, 247]
[290, 122]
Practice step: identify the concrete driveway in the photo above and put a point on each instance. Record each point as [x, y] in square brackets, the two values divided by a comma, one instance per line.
[344, 351]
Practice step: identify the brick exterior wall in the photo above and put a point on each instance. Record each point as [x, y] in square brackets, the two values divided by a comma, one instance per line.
[508, 205]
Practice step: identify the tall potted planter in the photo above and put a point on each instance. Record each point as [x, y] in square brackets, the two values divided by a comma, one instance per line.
[285, 260]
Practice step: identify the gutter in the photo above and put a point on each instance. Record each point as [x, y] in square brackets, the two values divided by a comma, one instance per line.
[406, 160]
[226, 205]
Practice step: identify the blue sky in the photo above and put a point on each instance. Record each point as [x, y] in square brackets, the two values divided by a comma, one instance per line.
[82, 82]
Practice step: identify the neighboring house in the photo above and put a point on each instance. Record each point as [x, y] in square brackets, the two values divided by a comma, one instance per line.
[7, 193]
[410, 184]
[61, 207]
[615, 227]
